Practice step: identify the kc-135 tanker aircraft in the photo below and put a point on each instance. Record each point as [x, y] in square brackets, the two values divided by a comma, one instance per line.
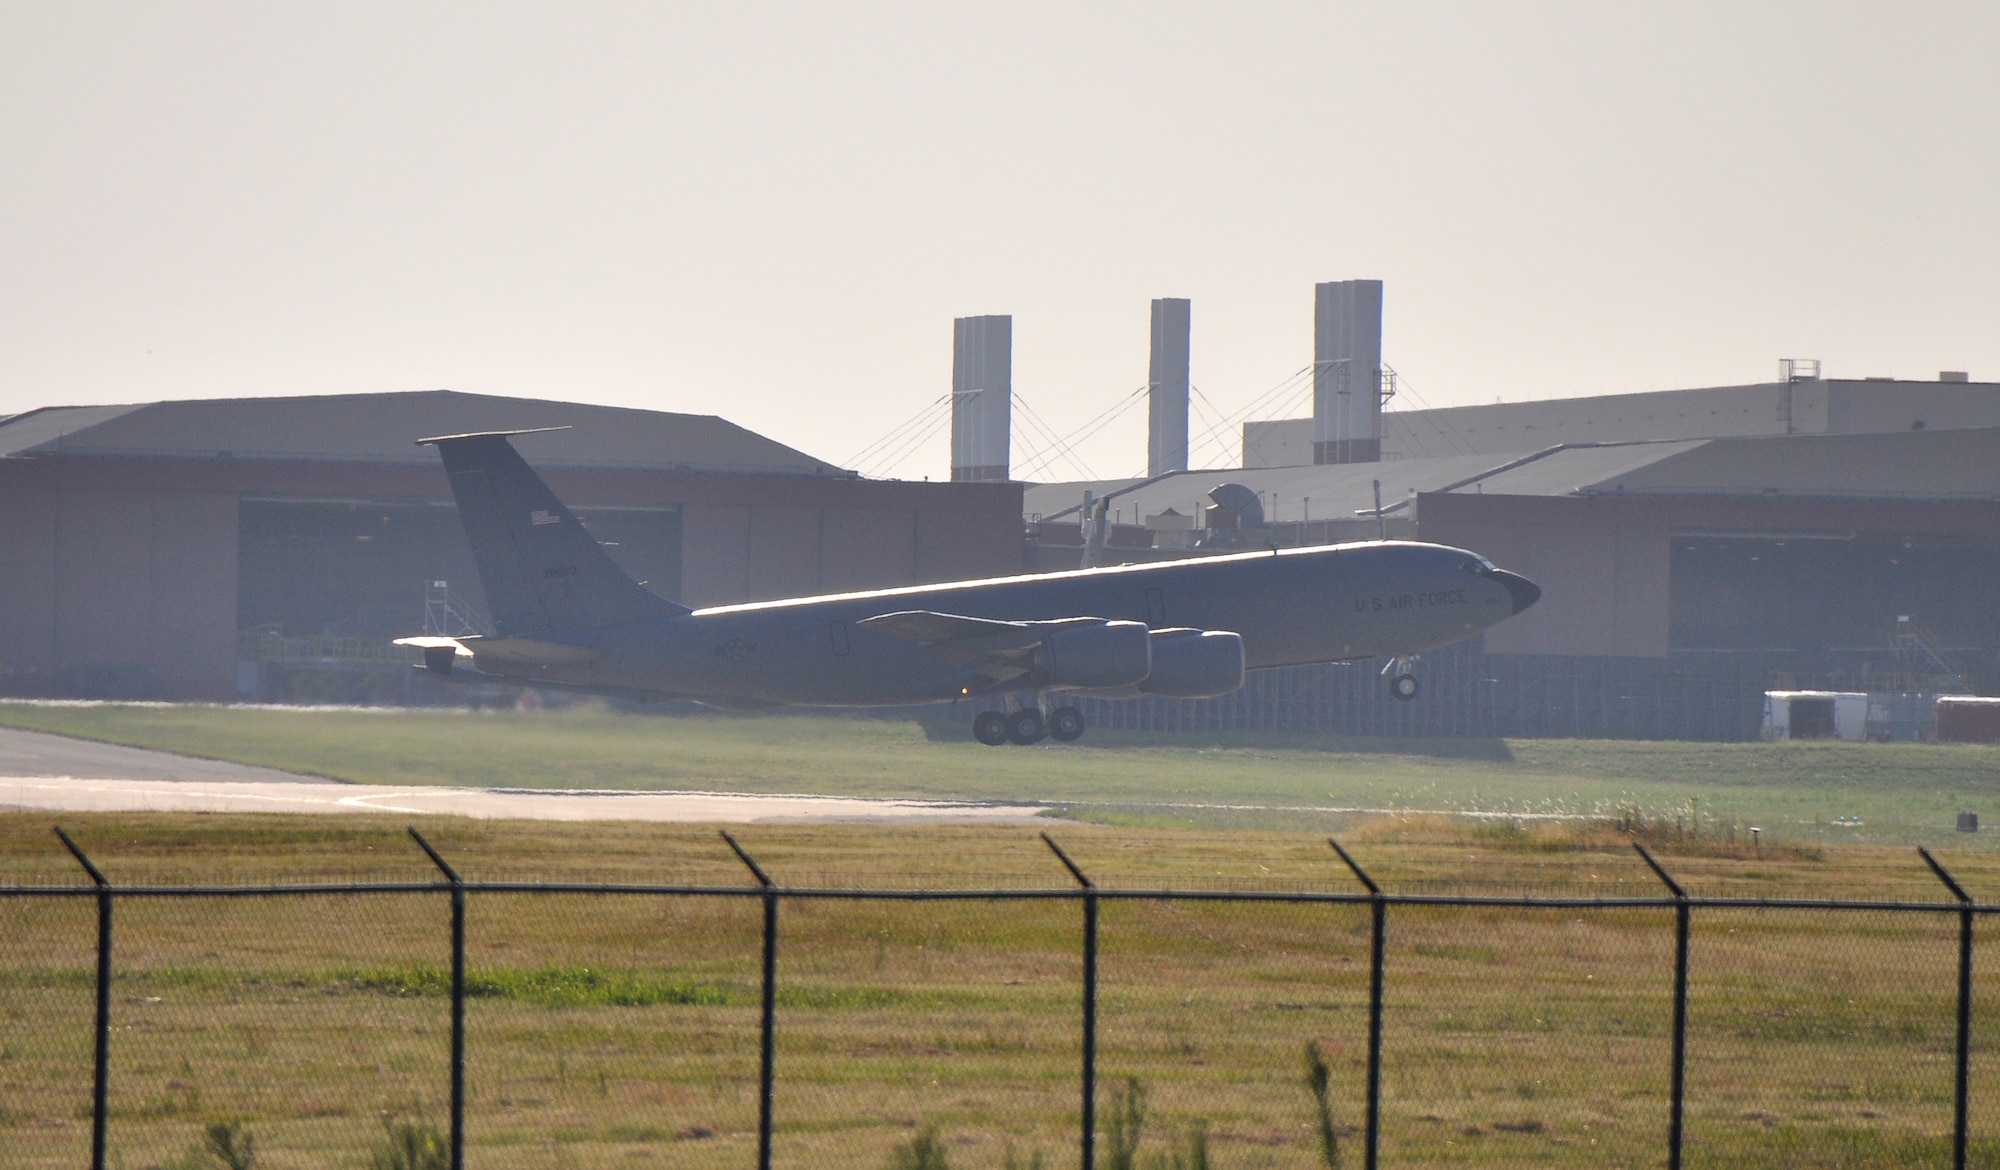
[565, 617]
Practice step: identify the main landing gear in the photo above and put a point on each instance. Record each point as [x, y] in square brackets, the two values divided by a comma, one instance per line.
[1025, 723]
[990, 728]
[1403, 682]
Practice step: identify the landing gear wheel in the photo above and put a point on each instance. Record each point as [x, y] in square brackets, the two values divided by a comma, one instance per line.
[1065, 725]
[990, 728]
[1404, 687]
[1025, 726]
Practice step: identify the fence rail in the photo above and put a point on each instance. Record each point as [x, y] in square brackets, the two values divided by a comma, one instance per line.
[772, 896]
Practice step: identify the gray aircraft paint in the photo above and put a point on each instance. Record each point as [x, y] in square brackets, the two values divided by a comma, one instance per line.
[565, 615]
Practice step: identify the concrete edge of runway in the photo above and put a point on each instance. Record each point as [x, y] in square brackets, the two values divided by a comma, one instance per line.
[104, 794]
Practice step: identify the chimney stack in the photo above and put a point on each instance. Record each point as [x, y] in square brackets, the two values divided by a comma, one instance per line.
[1347, 372]
[982, 398]
[1167, 388]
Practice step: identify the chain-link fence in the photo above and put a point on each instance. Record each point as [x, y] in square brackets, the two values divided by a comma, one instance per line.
[431, 1025]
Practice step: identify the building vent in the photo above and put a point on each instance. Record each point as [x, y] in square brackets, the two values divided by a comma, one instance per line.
[1954, 376]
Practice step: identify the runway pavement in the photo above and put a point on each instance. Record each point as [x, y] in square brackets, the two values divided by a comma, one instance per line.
[49, 773]
[35, 753]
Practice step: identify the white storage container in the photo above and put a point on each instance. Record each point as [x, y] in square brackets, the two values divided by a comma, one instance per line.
[1816, 715]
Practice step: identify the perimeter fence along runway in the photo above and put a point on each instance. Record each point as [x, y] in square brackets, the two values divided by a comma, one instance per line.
[50, 773]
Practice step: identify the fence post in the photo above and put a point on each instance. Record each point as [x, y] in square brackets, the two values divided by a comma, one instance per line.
[1089, 1002]
[1959, 1082]
[767, 1022]
[1679, 1089]
[100, 1087]
[1379, 914]
[457, 999]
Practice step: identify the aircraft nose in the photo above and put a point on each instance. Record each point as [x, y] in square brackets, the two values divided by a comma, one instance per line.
[1524, 592]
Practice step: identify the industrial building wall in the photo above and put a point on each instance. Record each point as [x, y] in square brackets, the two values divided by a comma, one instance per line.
[121, 577]
[193, 578]
[1772, 408]
[28, 585]
[1841, 591]
[1607, 567]
[1882, 407]
[784, 552]
[1832, 407]
[734, 553]
[1603, 576]
[759, 538]
[867, 548]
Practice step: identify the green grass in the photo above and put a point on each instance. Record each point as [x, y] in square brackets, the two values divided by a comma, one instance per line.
[554, 985]
[1905, 793]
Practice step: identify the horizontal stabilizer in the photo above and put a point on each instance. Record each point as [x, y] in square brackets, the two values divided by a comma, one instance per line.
[509, 651]
[529, 652]
[430, 643]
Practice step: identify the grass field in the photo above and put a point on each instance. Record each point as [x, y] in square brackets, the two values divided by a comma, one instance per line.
[1901, 793]
[620, 1031]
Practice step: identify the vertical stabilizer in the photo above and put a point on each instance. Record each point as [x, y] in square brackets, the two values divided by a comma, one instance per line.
[542, 571]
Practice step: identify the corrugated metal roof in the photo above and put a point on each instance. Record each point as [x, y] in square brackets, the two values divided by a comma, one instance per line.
[1333, 491]
[384, 428]
[25, 433]
[1762, 409]
[1954, 464]
[1577, 469]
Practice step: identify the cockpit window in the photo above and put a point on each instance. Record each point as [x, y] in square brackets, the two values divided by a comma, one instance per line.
[1479, 566]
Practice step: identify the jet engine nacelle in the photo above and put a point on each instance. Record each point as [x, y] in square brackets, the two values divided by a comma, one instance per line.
[1195, 664]
[1095, 655]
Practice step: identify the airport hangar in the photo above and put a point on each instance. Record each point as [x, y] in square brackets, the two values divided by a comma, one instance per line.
[1681, 579]
[269, 548]
[1695, 547]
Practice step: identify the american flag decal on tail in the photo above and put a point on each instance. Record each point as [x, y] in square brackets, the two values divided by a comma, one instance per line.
[542, 516]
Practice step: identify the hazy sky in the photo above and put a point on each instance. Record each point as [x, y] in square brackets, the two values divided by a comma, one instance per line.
[772, 212]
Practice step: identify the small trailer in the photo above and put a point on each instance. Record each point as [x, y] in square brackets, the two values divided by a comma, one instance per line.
[1816, 715]
[1968, 719]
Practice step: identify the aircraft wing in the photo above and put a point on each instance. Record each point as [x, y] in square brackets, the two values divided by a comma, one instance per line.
[1003, 651]
[930, 628]
[511, 651]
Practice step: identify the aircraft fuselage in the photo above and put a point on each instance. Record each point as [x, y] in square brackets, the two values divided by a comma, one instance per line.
[1291, 606]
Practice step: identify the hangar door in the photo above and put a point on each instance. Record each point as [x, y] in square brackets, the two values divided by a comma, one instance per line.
[1818, 592]
[362, 568]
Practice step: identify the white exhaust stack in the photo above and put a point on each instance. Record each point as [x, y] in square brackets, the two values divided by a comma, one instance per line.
[982, 398]
[1347, 372]
[1167, 388]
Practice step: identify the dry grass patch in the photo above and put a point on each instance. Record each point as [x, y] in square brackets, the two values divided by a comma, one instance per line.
[616, 1029]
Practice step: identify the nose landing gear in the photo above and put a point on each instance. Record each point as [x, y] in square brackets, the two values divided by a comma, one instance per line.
[1025, 724]
[1403, 682]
